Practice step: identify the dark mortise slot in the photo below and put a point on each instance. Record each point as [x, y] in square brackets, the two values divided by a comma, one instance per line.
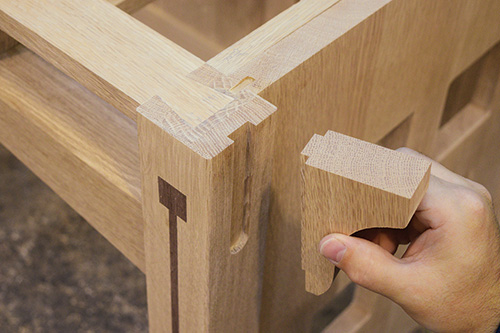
[474, 86]
[175, 202]
[468, 106]
[242, 175]
[398, 136]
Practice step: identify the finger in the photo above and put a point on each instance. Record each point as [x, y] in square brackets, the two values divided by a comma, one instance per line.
[388, 239]
[366, 264]
[438, 170]
[438, 204]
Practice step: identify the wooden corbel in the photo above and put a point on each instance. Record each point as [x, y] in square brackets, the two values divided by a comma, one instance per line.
[349, 185]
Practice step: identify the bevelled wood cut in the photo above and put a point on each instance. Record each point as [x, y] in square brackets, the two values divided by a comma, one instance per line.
[349, 185]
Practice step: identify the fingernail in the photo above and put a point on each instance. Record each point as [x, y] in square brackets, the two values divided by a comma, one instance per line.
[332, 249]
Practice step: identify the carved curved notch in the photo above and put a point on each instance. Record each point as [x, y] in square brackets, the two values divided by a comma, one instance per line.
[349, 185]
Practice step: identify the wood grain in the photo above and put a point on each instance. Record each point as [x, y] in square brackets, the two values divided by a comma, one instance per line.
[360, 68]
[179, 30]
[82, 147]
[73, 34]
[350, 185]
[129, 6]
[290, 20]
[223, 167]
[218, 21]
[6, 42]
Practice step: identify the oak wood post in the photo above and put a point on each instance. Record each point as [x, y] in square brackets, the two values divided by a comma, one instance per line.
[215, 200]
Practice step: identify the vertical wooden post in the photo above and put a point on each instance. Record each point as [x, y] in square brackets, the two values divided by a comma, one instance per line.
[205, 275]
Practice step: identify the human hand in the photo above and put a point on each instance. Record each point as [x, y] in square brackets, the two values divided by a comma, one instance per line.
[448, 279]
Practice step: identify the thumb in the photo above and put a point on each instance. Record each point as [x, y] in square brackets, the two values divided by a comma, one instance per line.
[366, 264]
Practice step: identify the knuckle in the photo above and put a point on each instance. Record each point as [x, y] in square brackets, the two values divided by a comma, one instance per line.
[474, 203]
[484, 192]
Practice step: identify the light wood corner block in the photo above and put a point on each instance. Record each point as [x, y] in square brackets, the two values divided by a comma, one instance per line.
[350, 185]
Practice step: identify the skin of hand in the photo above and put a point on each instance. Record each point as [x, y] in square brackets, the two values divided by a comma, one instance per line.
[448, 279]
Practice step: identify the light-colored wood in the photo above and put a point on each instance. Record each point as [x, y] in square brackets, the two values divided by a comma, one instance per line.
[469, 125]
[368, 313]
[206, 27]
[129, 6]
[360, 68]
[179, 31]
[373, 69]
[349, 185]
[82, 147]
[269, 34]
[274, 7]
[218, 21]
[6, 42]
[398, 137]
[223, 168]
[467, 143]
[137, 64]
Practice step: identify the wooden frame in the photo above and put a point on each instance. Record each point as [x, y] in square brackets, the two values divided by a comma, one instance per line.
[138, 135]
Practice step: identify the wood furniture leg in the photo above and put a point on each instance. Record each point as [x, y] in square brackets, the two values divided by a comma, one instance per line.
[205, 211]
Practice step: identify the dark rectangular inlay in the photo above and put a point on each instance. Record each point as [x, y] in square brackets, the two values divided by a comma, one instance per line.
[175, 202]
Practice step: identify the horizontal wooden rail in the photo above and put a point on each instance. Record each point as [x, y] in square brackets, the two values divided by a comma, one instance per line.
[129, 6]
[269, 34]
[112, 54]
[82, 147]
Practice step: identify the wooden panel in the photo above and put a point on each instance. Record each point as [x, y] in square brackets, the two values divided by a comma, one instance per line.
[178, 31]
[466, 129]
[83, 148]
[129, 6]
[206, 27]
[398, 137]
[360, 68]
[275, 7]
[222, 22]
[468, 142]
[6, 42]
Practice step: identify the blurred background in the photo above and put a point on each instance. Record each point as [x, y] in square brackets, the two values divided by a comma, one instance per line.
[57, 274]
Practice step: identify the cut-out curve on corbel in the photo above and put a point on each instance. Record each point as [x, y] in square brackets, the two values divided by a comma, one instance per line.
[349, 185]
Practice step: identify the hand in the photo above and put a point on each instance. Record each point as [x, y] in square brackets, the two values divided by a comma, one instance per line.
[448, 279]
